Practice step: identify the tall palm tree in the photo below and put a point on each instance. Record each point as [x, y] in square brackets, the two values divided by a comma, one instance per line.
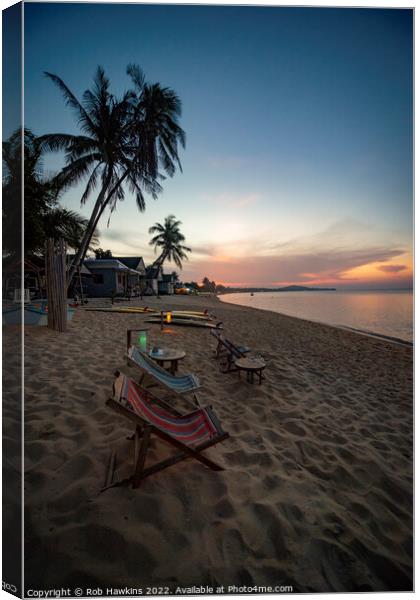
[43, 216]
[124, 142]
[169, 240]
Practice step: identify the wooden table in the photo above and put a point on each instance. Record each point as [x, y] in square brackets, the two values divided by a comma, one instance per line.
[251, 365]
[168, 355]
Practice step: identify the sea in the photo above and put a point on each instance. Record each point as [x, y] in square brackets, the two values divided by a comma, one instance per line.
[386, 313]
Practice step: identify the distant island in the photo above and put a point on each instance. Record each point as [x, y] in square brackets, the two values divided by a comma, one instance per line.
[288, 288]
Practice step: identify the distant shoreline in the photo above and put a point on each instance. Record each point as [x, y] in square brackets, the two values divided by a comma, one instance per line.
[307, 289]
[289, 288]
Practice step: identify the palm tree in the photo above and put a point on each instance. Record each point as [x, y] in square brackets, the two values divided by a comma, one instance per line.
[169, 240]
[44, 218]
[124, 142]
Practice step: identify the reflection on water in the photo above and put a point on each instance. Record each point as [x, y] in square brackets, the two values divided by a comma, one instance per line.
[384, 312]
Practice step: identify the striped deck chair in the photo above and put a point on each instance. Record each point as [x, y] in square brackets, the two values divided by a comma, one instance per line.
[228, 351]
[178, 384]
[190, 434]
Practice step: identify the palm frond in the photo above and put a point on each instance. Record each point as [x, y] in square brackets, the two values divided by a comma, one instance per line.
[91, 185]
[53, 142]
[74, 172]
[70, 99]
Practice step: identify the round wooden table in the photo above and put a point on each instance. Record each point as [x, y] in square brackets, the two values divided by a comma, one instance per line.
[168, 355]
[251, 366]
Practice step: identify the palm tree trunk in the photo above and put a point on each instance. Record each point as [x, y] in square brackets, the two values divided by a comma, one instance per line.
[158, 265]
[97, 212]
[81, 253]
[105, 204]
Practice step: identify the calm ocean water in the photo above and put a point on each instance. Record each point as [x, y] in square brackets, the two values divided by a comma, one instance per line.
[387, 313]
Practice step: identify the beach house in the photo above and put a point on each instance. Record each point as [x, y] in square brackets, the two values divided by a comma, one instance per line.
[167, 284]
[154, 275]
[137, 274]
[111, 277]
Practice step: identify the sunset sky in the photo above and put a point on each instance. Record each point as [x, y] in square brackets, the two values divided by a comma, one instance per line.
[298, 164]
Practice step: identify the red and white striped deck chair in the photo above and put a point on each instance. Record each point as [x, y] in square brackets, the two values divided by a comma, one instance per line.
[190, 434]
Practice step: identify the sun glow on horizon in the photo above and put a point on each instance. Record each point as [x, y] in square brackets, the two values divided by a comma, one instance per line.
[255, 271]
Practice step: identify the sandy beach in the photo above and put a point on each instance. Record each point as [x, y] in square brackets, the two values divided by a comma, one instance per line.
[317, 487]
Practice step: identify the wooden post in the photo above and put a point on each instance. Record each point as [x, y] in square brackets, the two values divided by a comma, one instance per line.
[140, 451]
[128, 339]
[56, 284]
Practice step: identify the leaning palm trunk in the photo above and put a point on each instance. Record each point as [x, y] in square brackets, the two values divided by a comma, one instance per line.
[84, 245]
[157, 265]
[93, 223]
[159, 261]
[108, 199]
[98, 210]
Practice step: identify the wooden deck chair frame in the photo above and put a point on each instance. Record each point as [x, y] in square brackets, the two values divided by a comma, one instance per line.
[143, 432]
[226, 349]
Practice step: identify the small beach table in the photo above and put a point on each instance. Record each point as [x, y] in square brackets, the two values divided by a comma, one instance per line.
[251, 365]
[166, 355]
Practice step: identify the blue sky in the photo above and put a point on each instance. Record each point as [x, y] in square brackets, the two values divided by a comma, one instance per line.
[298, 165]
[11, 73]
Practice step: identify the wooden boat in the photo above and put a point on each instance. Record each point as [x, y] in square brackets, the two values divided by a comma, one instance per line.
[35, 313]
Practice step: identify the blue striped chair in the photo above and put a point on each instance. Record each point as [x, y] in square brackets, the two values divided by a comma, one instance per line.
[177, 384]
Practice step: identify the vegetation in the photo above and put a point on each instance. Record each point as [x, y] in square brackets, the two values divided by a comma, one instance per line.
[169, 240]
[43, 216]
[192, 285]
[126, 142]
[99, 253]
[208, 286]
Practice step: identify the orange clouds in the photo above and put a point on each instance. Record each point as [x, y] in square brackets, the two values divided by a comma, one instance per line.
[382, 271]
[392, 268]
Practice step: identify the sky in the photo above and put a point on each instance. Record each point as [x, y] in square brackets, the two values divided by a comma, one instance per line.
[298, 163]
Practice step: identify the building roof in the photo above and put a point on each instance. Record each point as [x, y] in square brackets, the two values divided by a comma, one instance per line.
[112, 264]
[84, 270]
[133, 262]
